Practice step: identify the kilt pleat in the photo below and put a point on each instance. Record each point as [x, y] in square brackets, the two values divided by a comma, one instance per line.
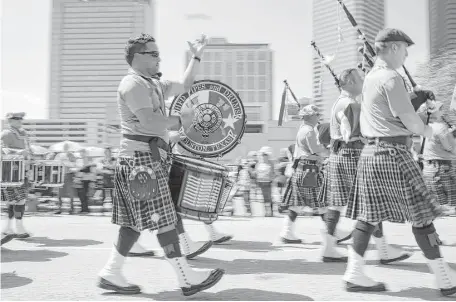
[302, 195]
[151, 214]
[389, 186]
[16, 195]
[342, 170]
[325, 183]
[440, 179]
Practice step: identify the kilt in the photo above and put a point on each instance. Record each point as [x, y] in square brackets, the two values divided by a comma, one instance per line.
[15, 195]
[342, 170]
[440, 179]
[325, 181]
[389, 186]
[151, 214]
[299, 195]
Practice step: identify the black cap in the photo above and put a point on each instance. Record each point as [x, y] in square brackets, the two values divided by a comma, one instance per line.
[393, 35]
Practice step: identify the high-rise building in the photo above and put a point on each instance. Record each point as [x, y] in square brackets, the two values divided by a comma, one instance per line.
[343, 44]
[247, 68]
[442, 25]
[87, 53]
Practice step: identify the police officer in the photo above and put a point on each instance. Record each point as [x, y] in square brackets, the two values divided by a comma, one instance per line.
[14, 140]
[389, 185]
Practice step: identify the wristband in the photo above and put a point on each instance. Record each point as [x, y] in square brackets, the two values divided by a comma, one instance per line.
[196, 58]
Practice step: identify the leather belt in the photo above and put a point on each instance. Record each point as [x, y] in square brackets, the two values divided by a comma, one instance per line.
[154, 142]
[439, 161]
[402, 140]
[337, 144]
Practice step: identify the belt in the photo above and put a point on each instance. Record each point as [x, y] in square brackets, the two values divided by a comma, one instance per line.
[439, 161]
[154, 142]
[402, 140]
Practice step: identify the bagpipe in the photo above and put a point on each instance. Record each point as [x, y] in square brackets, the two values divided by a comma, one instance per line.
[284, 101]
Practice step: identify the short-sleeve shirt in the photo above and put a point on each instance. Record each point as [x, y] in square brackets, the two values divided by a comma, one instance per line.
[433, 147]
[137, 92]
[385, 97]
[307, 145]
[351, 109]
[13, 138]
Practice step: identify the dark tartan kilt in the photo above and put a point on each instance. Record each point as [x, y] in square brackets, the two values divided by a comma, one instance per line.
[151, 214]
[298, 194]
[325, 183]
[389, 186]
[440, 179]
[15, 195]
[342, 171]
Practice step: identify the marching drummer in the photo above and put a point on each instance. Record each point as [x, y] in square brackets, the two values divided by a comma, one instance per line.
[14, 140]
[142, 199]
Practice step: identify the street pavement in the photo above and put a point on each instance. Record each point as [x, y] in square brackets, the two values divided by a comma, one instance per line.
[62, 259]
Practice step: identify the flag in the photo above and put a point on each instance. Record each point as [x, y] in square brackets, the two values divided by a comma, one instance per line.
[282, 106]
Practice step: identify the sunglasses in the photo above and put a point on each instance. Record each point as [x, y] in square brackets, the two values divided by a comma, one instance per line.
[154, 54]
[16, 118]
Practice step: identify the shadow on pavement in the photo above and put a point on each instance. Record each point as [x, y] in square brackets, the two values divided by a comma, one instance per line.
[236, 294]
[259, 246]
[422, 293]
[29, 256]
[11, 280]
[48, 242]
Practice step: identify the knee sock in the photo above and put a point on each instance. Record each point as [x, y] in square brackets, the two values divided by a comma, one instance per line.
[169, 241]
[19, 211]
[10, 212]
[179, 225]
[331, 220]
[428, 241]
[292, 215]
[361, 235]
[378, 232]
[127, 237]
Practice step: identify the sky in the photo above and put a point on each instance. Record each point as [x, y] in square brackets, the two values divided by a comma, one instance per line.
[285, 24]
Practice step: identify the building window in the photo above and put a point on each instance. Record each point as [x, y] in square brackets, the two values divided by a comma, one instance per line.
[240, 56]
[262, 96]
[251, 68]
[218, 68]
[262, 68]
[240, 68]
[217, 56]
[208, 56]
[262, 83]
[229, 69]
[253, 128]
[240, 83]
[229, 81]
[207, 68]
[251, 96]
[262, 56]
[251, 83]
[251, 56]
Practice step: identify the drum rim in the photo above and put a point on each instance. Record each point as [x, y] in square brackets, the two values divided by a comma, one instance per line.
[181, 158]
[241, 133]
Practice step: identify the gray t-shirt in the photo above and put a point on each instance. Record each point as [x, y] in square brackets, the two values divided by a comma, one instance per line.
[137, 92]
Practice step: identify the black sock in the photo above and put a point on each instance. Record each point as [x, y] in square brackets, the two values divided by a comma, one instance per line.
[10, 211]
[428, 241]
[292, 215]
[169, 241]
[361, 235]
[331, 220]
[179, 225]
[19, 211]
[126, 240]
[378, 232]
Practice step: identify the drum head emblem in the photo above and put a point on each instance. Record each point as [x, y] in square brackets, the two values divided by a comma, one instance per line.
[143, 183]
[219, 120]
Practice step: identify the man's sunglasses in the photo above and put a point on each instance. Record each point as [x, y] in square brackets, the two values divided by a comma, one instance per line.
[16, 118]
[154, 54]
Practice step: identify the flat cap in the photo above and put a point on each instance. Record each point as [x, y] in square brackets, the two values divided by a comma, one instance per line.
[393, 35]
[15, 115]
[309, 110]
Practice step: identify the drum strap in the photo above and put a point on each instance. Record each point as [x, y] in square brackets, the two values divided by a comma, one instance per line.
[154, 142]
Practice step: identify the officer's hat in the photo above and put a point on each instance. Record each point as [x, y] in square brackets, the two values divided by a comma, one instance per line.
[15, 115]
[393, 35]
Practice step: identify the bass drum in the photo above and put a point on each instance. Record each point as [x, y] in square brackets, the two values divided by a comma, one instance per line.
[219, 121]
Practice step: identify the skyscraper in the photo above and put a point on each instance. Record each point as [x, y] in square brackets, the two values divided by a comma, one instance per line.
[442, 25]
[247, 68]
[87, 61]
[343, 44]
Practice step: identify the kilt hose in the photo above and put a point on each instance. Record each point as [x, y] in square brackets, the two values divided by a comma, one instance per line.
[16, 195]
[151, 214]
[440, 179]
[301, 192]
[343, 165]
[389, 186]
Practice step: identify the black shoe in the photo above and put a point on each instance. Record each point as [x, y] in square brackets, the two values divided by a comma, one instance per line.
[7, 238]
[129, 290]
[338, 260]
[349, 236]
[212, 280]
[290, 241]
[145, 254]
[448, 291]
[22, 236]
[203, 249]
[223, 239]
[400, 258]
[379, 287]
